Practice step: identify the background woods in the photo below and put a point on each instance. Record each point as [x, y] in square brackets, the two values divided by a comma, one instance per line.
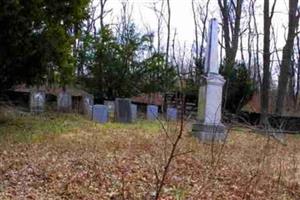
[104, 49]
[149, 99]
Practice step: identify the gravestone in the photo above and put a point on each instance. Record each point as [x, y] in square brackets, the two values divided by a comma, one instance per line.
[64, 101]
[100, 113]
[209, 127]
[111, 108]
[91, 112]
[152, 112]
[134, 112]
[88, 102]
[171, 114]
[37, 101]
[123, 110]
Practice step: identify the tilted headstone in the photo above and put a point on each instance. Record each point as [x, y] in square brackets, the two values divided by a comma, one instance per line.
[134, 112]
[171, 114]
[152, 112]
[100, 113]
[64, 102]
[209, 127]
[123, 111]
[37, 101]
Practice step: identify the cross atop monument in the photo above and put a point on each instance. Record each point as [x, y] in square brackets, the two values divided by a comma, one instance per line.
[211, 57]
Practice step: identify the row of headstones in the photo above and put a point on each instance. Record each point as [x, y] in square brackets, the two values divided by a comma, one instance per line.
[126, 112]
[38, 101]
[123, 110]
[64, 102]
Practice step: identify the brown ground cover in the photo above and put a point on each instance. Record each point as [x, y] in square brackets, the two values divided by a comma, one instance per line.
[68, 157]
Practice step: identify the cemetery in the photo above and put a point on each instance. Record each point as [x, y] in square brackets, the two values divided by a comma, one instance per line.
[69, 156]
[98, 110]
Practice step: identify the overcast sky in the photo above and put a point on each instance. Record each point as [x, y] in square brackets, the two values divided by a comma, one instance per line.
[182, 16]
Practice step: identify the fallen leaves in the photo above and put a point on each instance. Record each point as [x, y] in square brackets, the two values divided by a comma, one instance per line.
[119, 162]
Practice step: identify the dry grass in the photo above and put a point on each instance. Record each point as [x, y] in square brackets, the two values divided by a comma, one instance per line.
[68, 157]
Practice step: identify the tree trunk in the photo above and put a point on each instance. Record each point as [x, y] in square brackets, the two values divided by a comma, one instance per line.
[231, 28]
[168, 33]
[266, 63]
[256, 76]
[298, 72]
[249, 39]
[286, 56]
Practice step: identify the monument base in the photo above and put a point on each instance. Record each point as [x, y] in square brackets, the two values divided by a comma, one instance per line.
[209, 132]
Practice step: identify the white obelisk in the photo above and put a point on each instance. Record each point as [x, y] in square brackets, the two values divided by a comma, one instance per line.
[209, 126]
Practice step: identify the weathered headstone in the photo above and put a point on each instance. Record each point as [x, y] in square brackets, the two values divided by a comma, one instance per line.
[64, 101]
[171, 114]
[100, 113]
[209, 127]
[37, 101]
[134, 112]
[111, 108]
[123, 110]
[152, 112]
[88, 101]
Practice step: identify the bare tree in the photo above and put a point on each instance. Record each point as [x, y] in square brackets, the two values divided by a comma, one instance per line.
[200, 14]
[168, 32]
[103, 12]
[256, 71]
[231, 12]
[242, 49]
[286, 55]
[298, 71]
[158, 11]
[90, 24]
[196, 30]
[266, 62]
[203, 16]
[88, 29]
[91, 21]
[250, 36]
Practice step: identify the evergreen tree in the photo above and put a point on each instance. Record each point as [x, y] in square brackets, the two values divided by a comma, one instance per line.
[36, 40]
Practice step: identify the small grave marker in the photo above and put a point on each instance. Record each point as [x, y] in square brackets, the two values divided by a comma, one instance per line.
[88, 102]
[100, 113]
[171, 114]
[134, 112]
[64, 102]
[37, 101]
[111, 108]
[123, 110]
[152, 112]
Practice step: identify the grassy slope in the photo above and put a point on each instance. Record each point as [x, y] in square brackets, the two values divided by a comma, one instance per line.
[29, 128]
[68, 157]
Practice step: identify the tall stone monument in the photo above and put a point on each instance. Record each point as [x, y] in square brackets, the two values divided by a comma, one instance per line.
[208, 127]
